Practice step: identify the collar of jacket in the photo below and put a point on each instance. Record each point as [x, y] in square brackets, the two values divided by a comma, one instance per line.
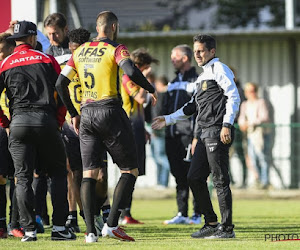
[188, 73]
[24, 46]
[209, 63]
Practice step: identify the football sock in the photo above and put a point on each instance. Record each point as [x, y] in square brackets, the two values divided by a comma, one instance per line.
[73, 215]
[88, 190]
[105, 212]
[3, 206]
[122, 194]
[81, 213]
[99, 204]
[126, 211]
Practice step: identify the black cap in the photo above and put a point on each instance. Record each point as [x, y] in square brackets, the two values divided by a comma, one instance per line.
[23, 29]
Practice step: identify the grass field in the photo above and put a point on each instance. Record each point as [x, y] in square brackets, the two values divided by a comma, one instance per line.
[252, 218]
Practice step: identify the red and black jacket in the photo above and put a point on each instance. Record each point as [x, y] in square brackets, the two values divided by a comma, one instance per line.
[29, 77]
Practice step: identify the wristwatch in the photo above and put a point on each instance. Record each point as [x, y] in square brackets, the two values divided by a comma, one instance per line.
[227, 125]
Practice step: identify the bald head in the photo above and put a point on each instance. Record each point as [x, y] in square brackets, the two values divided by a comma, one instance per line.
[107, 24]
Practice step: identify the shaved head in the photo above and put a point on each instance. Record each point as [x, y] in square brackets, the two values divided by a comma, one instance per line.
[105, 20]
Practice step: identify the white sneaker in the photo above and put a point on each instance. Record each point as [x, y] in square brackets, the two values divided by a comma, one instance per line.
[178, 219]
[91, 238]
[116, 233]
[195, 219]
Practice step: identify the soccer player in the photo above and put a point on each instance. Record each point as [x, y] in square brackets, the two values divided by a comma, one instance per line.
[71, 141]
[104, 125]
[29, 79]
[6, 48]
[134, 97]
[217, 102]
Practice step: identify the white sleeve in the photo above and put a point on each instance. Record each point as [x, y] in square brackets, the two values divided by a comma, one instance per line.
[176, 116]
[224, 78]
[68, 72]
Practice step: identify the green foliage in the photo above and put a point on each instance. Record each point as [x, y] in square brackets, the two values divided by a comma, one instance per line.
[237, 13]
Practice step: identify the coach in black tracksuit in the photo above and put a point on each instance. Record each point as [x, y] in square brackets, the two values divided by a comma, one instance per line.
[180, 135]
[217, 102]
[29, 78]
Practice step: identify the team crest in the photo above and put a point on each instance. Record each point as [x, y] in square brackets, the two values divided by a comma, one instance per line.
[204, 86]
[125, 53]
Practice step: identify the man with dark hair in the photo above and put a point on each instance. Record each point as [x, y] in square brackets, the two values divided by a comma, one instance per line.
[70, 138]
[29, 79]
[217, 102]
[104, 125]
[180, 135]
[57, 31]
[134, 97]
[6, 166]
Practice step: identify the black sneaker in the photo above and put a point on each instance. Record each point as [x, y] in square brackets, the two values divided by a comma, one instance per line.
[72, 224]
[205, 231]
[223, 233]
[62, 235]
[28, 238]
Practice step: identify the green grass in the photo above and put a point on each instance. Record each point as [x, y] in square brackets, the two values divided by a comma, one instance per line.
[252, 218]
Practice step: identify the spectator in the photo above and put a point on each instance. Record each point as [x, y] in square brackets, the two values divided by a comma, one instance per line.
[158, 147]
[254, 114]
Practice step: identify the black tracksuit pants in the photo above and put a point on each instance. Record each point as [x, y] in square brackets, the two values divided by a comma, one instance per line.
[176, 152]
[211, 156]
[44, 145]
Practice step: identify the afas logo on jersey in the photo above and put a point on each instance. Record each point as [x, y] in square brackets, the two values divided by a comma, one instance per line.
[125, 53]
[86, 52]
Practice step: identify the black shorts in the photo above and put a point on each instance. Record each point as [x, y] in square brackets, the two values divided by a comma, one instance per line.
[72, 145]
[106, 127]
[6, 163]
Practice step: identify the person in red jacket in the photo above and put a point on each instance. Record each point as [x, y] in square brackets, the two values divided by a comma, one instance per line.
[37, 113]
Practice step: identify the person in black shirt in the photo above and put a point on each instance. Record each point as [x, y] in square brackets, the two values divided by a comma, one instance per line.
[29, 78]
[179, 136]
[57, 31]
[217, 103]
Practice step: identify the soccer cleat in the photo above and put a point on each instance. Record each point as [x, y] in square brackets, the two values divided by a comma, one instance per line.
[98, 221]
[39, 225]
[195, 219]
[62, 235]
[3, 233]
[28, 238]
[91, 238]
[72, 224]
[16, 232]
[222, 233]
[116, 233]
[130, 220]
[178, 219]
[206, 231]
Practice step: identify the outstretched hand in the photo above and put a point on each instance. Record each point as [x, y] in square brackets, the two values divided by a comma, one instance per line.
[159, 122]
